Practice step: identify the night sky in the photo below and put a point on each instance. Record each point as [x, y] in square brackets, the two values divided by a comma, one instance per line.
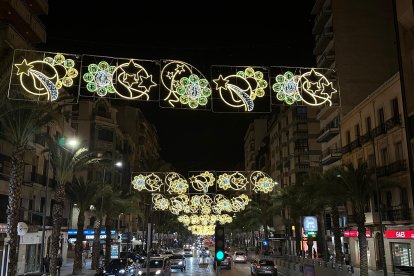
[201, 33]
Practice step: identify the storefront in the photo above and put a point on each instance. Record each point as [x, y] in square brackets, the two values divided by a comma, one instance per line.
[351, 247]
[88, 236]
[400, 244]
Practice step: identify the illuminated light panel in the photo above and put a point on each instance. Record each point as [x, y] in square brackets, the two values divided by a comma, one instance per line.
[202, 182]
[150, 183]
[235, 181]
[261, 182]
[242, 88]
[99, 78]
[176, 184]
[45, 77]
[185, 85]
[286, 88]
[204, 219]
[160, 202]
[311, 88]
[134, 79]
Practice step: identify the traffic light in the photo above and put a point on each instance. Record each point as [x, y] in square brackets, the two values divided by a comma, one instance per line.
[220, 241]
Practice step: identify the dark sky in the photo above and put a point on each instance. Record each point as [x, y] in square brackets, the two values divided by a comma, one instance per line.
[201, 33]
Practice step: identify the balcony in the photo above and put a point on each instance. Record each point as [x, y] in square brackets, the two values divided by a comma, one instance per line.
[321, 20]
[355, 144]
[38, 6]
[381, 129]
[39, 30]
[392, 168]
[323, 41]
[330, 156]
[13, 38]
[327, 134]
[346, 149]
[393, 122]
[396, 213]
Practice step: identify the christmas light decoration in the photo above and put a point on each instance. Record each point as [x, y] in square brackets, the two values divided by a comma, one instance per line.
[235, 181]
[44, 78]
[99, 78]
[286, 88]
[242, 88]
[261, 182]
[150, 183]
[185, 85]
[160, 202]
[202, 181]
[310, 87]
[176, 183]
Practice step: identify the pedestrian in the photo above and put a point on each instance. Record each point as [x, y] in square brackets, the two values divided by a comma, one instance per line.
[59, 262]
[314, 253]
[84, 257]
[46, 263]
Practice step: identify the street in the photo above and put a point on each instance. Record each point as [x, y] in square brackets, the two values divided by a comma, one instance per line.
[193, 268]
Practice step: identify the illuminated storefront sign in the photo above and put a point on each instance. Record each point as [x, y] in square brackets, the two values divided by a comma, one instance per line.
[399, 234]
[354, 234]
[88, 232]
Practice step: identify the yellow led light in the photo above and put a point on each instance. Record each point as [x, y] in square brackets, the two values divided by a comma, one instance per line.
[45, 77]
[150, 182]
[241, 89]
[185, 85]
[202, 182]
[235, 181]
[261, 182]
[175, 183]
[160, 202]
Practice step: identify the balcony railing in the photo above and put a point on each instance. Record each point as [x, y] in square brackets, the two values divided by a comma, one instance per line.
[355, 144]
[331, 155]
[392, 168]
[396, 213]
[346, 149]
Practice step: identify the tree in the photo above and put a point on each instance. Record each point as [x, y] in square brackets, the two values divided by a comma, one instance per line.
[65, 164]
[19, 123]
[80, 193]
[358, 186]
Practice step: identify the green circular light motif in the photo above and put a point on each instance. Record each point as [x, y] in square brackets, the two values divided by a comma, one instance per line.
[262, 83]
[69, 63]
[184, 81]
[184, 99]
[193, 103]
[103, 65]
[241, 74]
[206, 91]
[93, 68]
[202, 101]
[258, 75]
[249, 72]
[193, 78]
[91, 86]
[193, 91]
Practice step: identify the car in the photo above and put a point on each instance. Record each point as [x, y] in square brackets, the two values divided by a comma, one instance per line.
[225, 263]
[157, 266]
[178, 262]
[239, 257]
[120, 267]
[167, 254]
[263, 266]
[188, 252]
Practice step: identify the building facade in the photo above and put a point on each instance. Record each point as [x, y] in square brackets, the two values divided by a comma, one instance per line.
[374, 132]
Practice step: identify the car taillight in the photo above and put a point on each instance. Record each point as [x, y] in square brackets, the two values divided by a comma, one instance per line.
[257, 266]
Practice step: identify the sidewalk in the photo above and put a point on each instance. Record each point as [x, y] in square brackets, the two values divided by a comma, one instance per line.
[68, 268]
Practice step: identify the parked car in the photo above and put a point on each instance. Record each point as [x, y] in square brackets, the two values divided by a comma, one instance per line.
[188, 252]
[263, 266]
[178, 262]
[239, 257]
[119, 267]
[225, 263]
[157, 266]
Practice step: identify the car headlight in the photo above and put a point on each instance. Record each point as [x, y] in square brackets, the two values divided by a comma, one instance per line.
[180, 263]
[157, 272]
[122, 271]
[139, 272]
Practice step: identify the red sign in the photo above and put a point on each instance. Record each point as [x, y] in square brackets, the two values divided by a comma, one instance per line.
[399, 234]
[354, 233]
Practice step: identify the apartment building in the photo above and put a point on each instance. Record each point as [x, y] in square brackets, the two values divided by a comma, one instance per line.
[374, 132]
[357, 40]
[252, 140]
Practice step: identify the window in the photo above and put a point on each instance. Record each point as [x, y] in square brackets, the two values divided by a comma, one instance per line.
[371, 161]
[369, 126]
[398, 151]
[105, 135]
[381, 116]
[384, 156]
[101, 111]
[348, 137]
[394, 106]
[357, 131]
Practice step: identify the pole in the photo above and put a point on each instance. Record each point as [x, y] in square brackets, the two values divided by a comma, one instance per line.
[148, 247]
[42, 245]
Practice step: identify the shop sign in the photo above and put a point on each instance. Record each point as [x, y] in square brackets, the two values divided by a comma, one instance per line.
[354, 233]
[91, 237]
[310, 224]
[114, 251]
[88, 232]
[30, 238]
[399, 234]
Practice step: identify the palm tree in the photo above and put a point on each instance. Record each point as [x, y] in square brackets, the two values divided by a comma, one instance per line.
[19, 123]
[358, 186]
[81, 194]
[65, 163]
